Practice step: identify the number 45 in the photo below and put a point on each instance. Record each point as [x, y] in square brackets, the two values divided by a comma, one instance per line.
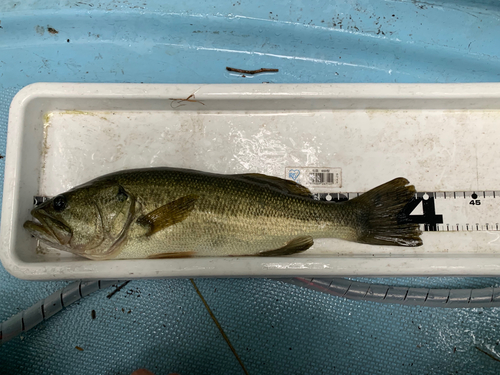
[475, 202]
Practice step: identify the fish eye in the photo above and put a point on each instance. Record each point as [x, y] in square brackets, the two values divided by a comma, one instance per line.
[59, 203]
[122, 195]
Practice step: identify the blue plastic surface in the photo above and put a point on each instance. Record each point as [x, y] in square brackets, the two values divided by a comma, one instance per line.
[276, 328]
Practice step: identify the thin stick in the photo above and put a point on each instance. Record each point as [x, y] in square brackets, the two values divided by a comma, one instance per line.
[117, 289]
[261, 70]
[488, 354]
[188, 99]
[219, 326]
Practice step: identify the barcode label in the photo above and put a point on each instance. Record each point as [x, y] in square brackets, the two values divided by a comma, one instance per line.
[315, 178]
[320, 178]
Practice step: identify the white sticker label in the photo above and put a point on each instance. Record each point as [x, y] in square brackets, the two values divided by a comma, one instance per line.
[315, 178]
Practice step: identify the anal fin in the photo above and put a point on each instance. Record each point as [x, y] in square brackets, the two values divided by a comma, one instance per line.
[296, 245]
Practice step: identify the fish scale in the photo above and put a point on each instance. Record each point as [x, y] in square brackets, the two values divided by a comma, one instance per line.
[238, 220]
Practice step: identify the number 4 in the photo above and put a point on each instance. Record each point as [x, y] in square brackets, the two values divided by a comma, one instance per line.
[429, 218]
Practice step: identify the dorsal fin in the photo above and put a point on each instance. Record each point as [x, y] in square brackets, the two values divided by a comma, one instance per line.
[288, 186]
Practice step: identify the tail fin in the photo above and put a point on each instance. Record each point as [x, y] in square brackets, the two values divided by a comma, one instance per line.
[382, 222]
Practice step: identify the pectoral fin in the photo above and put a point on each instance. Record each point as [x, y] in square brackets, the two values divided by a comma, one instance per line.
[168, 214]
[294, 246]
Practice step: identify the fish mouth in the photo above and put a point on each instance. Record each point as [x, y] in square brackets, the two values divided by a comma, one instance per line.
[48, 228]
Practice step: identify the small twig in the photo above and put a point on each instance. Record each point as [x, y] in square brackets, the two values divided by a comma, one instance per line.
[261, 70]
[488, 354]
[219, 327]
[117, 289]
[188, 99]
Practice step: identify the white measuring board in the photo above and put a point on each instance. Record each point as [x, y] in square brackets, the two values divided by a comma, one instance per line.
[351, 138]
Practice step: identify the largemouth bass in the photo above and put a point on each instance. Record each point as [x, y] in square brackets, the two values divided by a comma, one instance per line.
[166, 213]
